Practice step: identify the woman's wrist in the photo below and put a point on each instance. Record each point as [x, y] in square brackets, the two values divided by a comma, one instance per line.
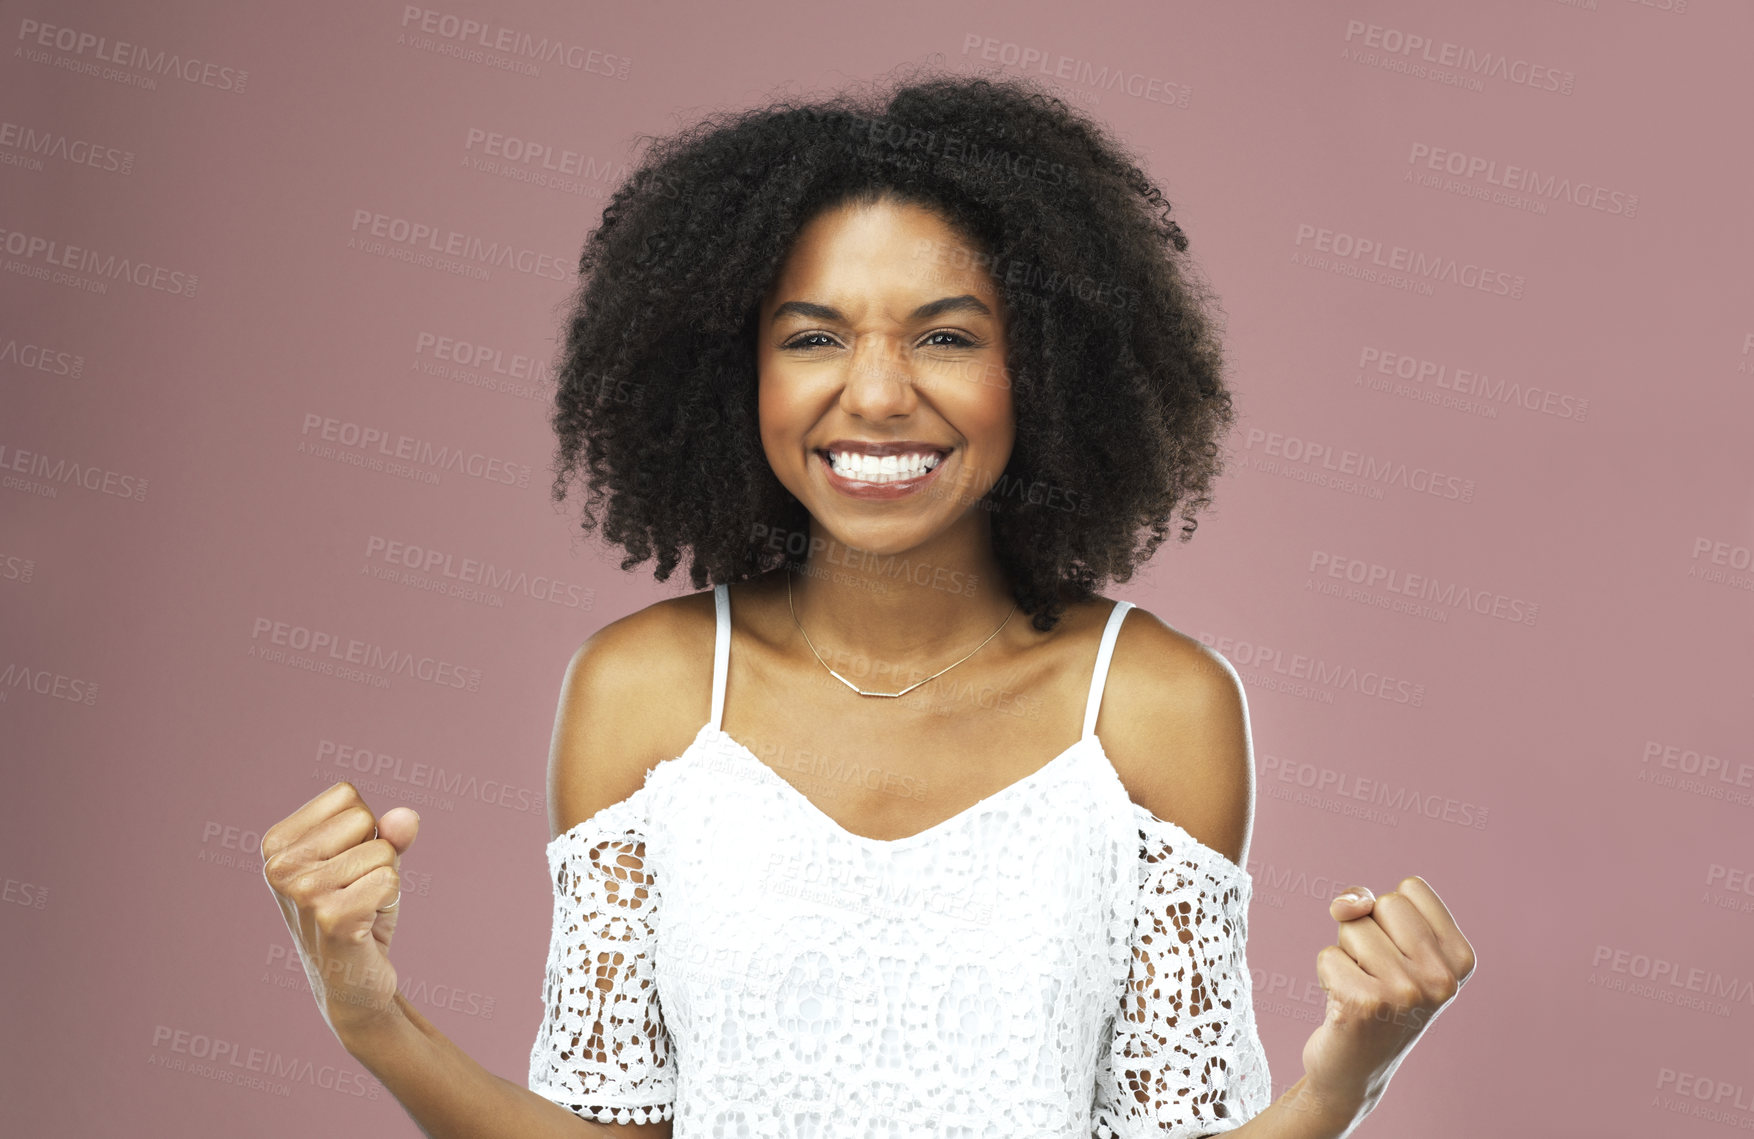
[1330, 1112]
[373, 1035]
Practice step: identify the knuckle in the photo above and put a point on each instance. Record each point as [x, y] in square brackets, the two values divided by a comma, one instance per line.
[1436, 985]
[303, 887]
[1405, 993]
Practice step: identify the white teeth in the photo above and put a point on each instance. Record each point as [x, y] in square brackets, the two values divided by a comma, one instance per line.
[888, 468]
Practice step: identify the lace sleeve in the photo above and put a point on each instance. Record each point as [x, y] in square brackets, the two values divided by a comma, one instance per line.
[602, 1050]
[1183, 1060]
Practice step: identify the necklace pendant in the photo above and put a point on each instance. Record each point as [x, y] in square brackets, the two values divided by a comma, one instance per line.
[862, 692]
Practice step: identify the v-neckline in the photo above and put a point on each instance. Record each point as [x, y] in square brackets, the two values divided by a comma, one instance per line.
[834, 825]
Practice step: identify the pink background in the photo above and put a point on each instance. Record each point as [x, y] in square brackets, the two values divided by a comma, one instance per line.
[1573, 774]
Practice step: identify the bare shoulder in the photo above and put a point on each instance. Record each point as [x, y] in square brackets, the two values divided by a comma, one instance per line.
[1174, 720]
[633, 695]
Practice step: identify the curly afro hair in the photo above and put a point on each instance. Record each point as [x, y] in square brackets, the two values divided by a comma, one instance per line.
[1112, 345]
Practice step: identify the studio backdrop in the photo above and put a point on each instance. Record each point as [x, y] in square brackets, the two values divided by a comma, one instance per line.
[282, 290]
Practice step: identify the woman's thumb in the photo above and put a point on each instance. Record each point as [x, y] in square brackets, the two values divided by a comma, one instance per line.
[1354, 903]
[399, 825]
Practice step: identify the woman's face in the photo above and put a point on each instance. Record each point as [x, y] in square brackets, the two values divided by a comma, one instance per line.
[884, 327]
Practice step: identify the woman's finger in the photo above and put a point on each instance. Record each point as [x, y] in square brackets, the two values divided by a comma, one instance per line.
[1365, 941]
[1458, 952]
[1399, 917]
[1354, 902]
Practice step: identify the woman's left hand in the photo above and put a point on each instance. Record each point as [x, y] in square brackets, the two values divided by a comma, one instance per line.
[1398, 962]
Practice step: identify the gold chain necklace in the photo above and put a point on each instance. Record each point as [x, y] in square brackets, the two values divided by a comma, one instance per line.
[910, 687]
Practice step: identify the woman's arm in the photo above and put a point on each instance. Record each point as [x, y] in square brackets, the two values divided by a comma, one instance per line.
[1399, 961]
[332, 869]
[1185, 1054]
[450, 1096]
[1301, 1114]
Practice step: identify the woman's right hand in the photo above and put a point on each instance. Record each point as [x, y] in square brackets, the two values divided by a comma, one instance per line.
[333, 866]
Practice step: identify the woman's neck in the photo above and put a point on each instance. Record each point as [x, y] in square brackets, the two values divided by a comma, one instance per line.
[908, 607]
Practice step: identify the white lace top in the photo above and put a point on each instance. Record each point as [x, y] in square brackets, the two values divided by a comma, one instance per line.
[1053, 961]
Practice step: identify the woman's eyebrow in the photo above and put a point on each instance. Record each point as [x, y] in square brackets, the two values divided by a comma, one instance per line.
[928, 311]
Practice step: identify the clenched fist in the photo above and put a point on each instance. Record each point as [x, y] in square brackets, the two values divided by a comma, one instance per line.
[334, 869]
[1399, 960]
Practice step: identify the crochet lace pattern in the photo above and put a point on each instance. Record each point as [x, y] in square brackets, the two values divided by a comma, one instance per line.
[1030, 1001]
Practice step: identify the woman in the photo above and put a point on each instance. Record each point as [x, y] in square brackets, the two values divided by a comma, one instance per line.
[830, 853]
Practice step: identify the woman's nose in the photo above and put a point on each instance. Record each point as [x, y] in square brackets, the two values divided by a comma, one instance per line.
[879, 378]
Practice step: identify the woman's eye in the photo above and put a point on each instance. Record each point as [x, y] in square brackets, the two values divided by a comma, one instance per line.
[807, 340]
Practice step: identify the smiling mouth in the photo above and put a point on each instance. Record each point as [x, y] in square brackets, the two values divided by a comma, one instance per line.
[889, 469]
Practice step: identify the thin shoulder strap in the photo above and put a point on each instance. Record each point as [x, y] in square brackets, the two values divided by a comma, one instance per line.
[721, 650]
[1099, 677]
